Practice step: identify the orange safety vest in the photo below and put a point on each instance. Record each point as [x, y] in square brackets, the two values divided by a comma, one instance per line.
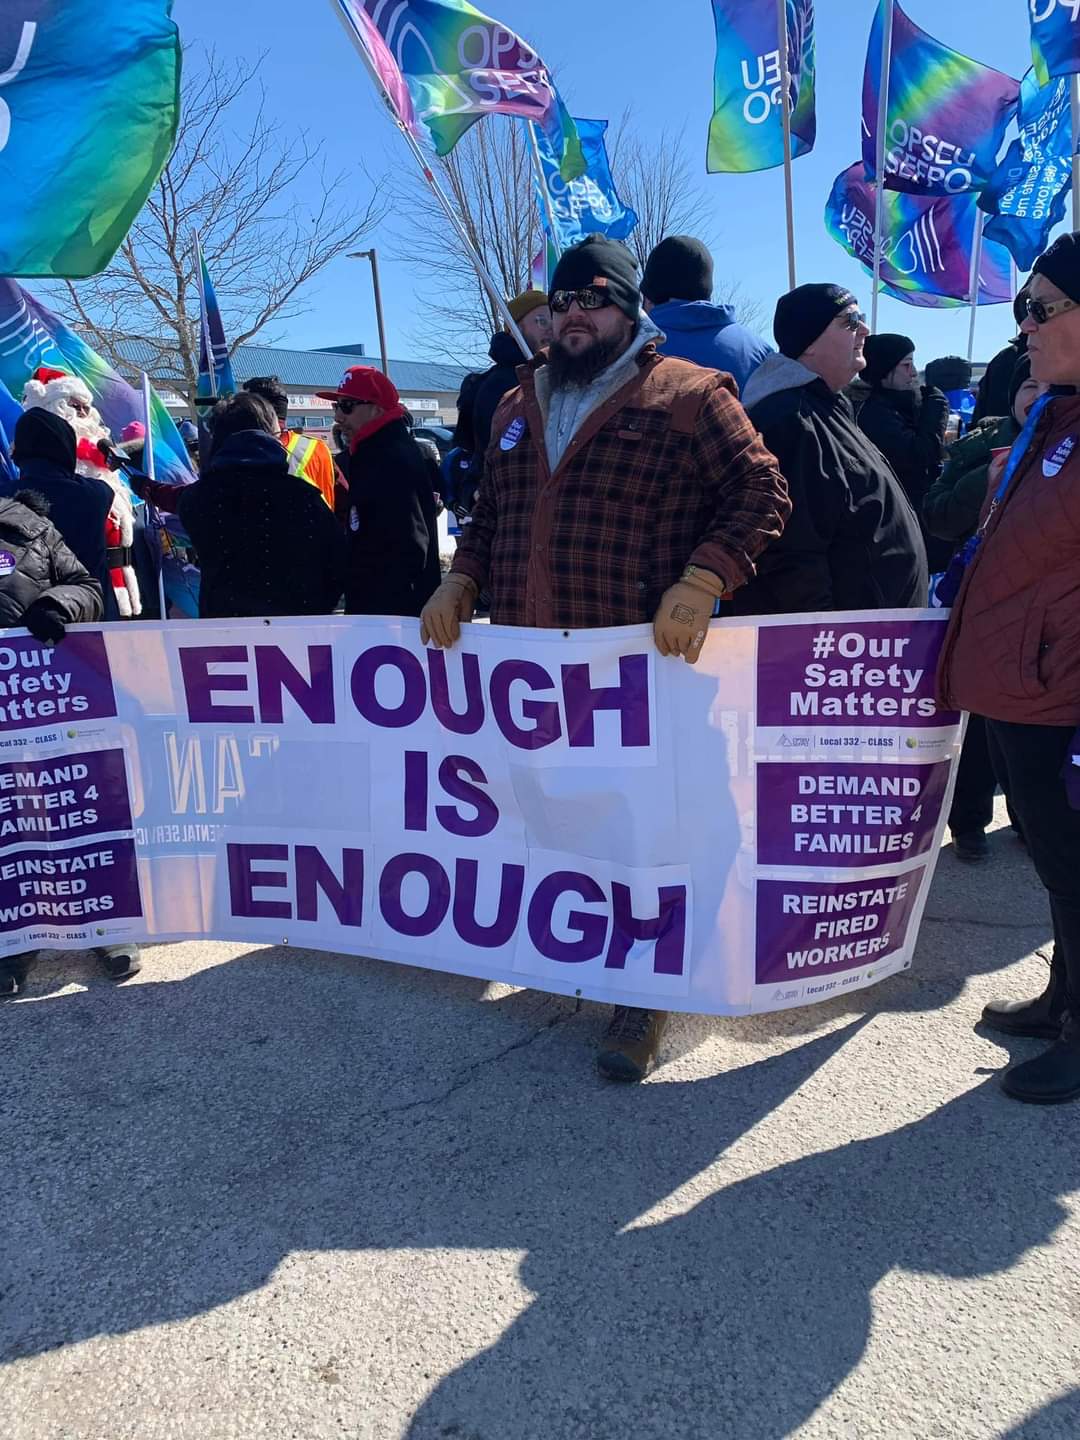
[304, 461]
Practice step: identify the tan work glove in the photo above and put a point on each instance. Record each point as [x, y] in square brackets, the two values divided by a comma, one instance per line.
[682, 621]
[452, 604]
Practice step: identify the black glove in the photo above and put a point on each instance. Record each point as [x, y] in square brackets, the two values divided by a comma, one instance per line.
[45, 622]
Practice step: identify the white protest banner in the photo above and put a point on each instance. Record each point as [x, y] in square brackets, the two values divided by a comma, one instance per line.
[565, 811]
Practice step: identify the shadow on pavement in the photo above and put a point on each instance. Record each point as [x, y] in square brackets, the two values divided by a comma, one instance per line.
[167, 1145]
[1060, 1420]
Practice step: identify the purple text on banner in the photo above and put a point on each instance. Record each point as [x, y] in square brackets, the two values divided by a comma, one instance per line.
[86, 885]
[54, 685]
[65, 798]
[836, 815]
[810, 927]
[876, 673]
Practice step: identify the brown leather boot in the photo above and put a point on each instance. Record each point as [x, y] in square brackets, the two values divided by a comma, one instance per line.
[630, 1045]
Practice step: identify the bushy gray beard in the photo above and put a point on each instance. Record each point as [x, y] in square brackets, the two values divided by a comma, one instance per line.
[570, 372]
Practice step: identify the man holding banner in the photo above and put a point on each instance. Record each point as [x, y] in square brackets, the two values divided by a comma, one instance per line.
[621, 486]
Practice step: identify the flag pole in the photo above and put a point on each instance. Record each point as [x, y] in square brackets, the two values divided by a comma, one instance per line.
[879, 166]
[973, 285]
[483, 273]
[785, 112]
[545, 196]
[1074, 102]
[151, 470]
[204, 320]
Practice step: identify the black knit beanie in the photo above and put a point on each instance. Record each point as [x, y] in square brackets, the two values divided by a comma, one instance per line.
[596, 260]
[804, 314]
[883, 354]
[679, 268]
[1061, 264]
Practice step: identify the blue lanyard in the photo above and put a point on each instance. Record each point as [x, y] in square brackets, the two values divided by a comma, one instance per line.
[1016, 454]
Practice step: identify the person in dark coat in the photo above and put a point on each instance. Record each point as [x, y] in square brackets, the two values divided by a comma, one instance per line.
[78, 505]
[532, 315]
[907, 423]
[853, 541]
[993, 393]
[266, 541]
[44, 588]
[393, 539]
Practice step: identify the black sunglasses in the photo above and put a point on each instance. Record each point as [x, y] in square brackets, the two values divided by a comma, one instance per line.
[590, 297]
[347, 406]
[853, 319]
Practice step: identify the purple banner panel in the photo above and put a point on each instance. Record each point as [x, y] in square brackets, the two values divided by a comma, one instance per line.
[54, 684]
[85, 885]
[836, 815]
[810, 927]
[67, 797]
[875, 673]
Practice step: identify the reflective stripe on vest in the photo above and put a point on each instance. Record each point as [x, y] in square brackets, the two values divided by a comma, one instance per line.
[300, 450]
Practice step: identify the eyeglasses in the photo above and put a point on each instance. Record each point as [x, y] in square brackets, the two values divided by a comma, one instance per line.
[589, 298]
[853, 319]
[347, 406]
[1043, 310]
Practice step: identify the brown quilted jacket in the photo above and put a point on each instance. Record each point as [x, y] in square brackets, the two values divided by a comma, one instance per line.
[666, 472]
[1012, 649]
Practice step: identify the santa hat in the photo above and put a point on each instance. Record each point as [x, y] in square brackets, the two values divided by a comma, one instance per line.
[50, 388]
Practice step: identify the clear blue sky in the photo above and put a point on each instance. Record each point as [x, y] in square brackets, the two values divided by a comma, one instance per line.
[607, 54]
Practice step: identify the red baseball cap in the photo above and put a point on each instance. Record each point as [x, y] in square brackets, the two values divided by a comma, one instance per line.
[366, 384]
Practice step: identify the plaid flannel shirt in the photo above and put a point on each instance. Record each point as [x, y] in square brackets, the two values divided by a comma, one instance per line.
[667, 472]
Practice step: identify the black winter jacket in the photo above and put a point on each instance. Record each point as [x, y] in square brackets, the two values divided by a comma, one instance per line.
[78, 505]
[853, 541]
[393, 535]
[994, 397]
[908, 427]
[494, 384]
[37, 570]
[266, 540]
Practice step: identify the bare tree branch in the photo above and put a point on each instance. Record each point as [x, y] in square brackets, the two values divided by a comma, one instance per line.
[271, 219]
[488, 178]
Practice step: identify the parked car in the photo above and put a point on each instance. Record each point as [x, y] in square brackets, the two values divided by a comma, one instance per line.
[443, 438]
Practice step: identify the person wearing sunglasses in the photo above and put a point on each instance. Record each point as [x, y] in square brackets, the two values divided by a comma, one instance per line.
[391, 520]
[853, 541]
[1012, 653]
[620, 486]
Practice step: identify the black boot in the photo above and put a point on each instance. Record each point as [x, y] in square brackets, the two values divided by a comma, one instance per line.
[972, 847]
[1040, 1018]
[1054, 1077]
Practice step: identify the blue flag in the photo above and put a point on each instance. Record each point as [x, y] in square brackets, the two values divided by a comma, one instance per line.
[1028, 192]
[88, 111]
[10, 410]
[216, 380]
[747, 128]
[1055, 38]
[589, 204]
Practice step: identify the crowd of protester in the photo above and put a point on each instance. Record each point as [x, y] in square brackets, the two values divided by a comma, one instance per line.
[646, 457]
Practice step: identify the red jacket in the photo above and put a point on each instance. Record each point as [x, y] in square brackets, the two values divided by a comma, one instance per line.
[666, 472]
[1012, 650]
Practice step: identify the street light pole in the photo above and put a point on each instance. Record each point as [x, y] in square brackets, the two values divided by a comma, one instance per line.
[373, 257]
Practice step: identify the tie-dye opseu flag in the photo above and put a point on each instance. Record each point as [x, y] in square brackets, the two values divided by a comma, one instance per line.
[1028, 194]
[947, 114]
[926, 243]
[215, 380]
[88, 111]
[445, 65]
[746, 132]
[30, 335]
[1055, 37]
[590, 204]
